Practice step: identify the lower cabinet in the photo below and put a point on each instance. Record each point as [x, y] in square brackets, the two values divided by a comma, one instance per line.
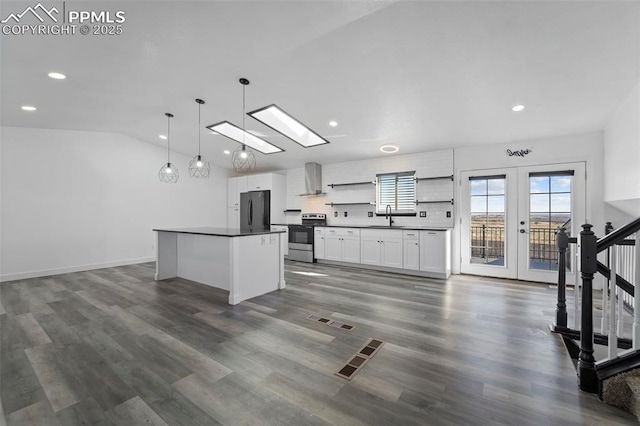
[318, 243]
[425, 252]
[342, 244]
[381, 247]
[285, 236]
[233, 217]
[435, 252]
[411, 250]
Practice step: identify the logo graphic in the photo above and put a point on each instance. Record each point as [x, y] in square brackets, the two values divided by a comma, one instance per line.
[519, 152]
[34, 11]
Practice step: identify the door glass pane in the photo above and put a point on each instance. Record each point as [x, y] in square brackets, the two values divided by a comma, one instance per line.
[550, 209]
[487, 196]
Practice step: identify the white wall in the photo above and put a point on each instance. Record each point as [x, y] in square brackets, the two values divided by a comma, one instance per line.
[622, 155]
[74, 200]
[425, 164]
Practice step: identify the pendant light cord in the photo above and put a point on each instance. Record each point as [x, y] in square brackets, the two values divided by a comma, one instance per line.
[199, 105]
[168, 140]
[243, 114]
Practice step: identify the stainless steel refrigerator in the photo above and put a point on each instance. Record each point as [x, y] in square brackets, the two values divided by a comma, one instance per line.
[254, 211]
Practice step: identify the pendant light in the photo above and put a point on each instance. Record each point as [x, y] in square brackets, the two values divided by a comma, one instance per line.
[168, 172]
[199, 167]
[243, 159]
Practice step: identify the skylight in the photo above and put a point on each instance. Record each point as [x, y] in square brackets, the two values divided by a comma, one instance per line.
[280, 121]
[237, 134]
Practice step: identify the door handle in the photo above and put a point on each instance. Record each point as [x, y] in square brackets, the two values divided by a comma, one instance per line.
[522, 231]
[250, 213]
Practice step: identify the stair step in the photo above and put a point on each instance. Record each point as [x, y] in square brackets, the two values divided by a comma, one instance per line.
[623, 391]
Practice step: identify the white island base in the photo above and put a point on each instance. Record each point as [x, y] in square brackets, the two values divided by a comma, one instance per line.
[246, 264]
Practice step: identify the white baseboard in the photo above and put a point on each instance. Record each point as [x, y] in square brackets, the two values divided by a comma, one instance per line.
[69, 269]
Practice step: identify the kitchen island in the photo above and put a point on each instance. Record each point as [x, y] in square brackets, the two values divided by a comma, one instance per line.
[246, 263]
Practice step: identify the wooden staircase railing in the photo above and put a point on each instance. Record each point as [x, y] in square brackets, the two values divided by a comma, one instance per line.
[617, 290]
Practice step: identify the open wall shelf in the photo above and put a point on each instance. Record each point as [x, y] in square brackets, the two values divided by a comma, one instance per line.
[350, 204]
[450, 177]
[333, 185]
[436, 202]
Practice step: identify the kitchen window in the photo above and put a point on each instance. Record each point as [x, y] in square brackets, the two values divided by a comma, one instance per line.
[396, 191]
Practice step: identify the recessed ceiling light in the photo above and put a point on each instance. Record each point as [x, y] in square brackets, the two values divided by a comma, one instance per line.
[517, 108]
[28, 108]
[57, 75]
[226, 151]
[389, 148]
[333, 123]
[163, 137]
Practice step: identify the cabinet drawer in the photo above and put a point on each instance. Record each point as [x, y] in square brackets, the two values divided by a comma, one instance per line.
[343, 232]
[411, 235]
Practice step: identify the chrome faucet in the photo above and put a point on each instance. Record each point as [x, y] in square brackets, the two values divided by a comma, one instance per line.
[387, 214]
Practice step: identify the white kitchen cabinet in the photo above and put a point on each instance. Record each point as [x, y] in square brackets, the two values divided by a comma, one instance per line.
[235, 186]
[261, 182]
[391, 251]
[318, 243]
[435, 252]
[333, 247]
[233, 217]
[411, 250]
[351, 249]
[342, 244]
[285, 236]
[369, 248]
[382, 247]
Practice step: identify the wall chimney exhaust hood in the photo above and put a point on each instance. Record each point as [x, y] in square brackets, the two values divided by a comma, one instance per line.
[312, 179]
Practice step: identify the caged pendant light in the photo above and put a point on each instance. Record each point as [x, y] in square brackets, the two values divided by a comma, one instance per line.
[199, 167]
[168, 172]
[243, 160]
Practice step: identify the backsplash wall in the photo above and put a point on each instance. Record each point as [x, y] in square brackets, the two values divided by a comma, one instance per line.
[426, 164]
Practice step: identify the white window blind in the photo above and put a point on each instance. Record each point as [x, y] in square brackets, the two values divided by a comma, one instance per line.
[397, 190]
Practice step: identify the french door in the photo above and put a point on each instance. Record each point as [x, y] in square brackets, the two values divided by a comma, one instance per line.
[509, 218]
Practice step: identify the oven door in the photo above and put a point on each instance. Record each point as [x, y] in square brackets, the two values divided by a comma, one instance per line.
[300, 234]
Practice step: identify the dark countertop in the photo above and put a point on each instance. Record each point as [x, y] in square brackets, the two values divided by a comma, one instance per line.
[397, 228]
[400, 228]
[218, 232]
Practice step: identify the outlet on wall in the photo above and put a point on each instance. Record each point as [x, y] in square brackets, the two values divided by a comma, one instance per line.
[448, 214]
[335, 214]
[423, 214]
[346, 214]
[370, 214]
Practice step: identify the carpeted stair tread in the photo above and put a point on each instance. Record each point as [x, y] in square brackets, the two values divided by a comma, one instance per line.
[623, 391]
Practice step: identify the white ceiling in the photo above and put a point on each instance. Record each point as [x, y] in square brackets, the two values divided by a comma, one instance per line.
[423, 75]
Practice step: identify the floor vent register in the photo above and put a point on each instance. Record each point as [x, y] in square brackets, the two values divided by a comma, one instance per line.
[360, 359]
[331, 323]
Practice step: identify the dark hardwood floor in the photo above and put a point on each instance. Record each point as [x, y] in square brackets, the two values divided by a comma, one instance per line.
[112, 346]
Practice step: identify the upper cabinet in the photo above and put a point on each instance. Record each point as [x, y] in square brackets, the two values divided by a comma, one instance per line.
[233, 194]
[260, 182]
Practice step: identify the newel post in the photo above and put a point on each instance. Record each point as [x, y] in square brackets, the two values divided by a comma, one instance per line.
[562, 242]
[587, 378]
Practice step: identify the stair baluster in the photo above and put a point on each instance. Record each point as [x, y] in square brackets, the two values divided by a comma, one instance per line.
[613, 291]
[636, 298]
